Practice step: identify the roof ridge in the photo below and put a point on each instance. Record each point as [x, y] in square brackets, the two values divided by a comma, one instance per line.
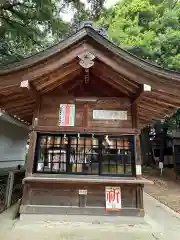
[88, 30]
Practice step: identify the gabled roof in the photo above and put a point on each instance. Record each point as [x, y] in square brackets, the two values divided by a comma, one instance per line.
[79, 36]
[123, 71]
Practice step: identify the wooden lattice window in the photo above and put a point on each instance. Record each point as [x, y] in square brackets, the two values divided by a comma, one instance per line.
[85, 154]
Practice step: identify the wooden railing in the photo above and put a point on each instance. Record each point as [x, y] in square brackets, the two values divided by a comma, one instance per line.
[10, 187]
[3, 187]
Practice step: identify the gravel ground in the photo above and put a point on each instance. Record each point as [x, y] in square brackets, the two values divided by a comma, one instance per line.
[166, 189]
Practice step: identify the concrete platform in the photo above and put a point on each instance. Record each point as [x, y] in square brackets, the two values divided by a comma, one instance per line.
[160, 223]
[40, 218]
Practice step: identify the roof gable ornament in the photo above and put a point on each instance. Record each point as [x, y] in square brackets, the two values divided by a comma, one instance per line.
[86, 62]
[101, 30]
[87, 24]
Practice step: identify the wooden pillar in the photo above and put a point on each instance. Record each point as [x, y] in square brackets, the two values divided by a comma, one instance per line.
[31, 153]
[135, 125]
[33, 139]
[26, 194]
[139, 199]
[138, 157]
[86, 109]
[134, 113]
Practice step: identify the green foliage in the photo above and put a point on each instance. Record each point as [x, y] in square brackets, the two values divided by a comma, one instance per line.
[29, 26]
[147, 28]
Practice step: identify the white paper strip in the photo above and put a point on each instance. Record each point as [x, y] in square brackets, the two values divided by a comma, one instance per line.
[67, 115]
[138, 170]
[113, 198]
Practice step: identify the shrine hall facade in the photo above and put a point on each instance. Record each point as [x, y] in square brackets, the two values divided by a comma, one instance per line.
[85, 101]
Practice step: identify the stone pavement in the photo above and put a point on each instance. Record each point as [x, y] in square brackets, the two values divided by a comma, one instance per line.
[166, 188]
[164, 220]
[161, 224]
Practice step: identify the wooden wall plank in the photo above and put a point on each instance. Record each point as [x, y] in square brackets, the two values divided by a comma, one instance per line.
[49, 113]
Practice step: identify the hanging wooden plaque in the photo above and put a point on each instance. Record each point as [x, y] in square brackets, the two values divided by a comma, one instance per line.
[109, 115]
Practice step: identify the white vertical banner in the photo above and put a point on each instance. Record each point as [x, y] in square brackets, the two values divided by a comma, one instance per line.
[67, 115]
[113, 198]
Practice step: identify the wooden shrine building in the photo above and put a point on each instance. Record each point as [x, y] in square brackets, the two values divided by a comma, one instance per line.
[85, 101]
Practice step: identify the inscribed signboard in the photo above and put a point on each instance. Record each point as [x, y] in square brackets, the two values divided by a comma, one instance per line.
[109, 115]
[113, 198]
[67, 115]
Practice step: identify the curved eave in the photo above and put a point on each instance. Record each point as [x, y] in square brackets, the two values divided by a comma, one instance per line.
[153, 107]
[18, 122]
[80, 35]
[43, 55]
[58, 65]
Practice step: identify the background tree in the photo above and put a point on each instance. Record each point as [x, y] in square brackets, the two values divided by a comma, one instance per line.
[29, 26]
[149, 29]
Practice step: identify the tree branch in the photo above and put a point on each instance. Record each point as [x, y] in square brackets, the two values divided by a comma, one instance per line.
[22, 25]
[8, 6]
[175, 3]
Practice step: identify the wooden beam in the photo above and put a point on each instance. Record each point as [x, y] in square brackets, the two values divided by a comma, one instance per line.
[136, 74]
[110, 78]
[85, 118]
[7, 90]
[26, 113]
[42, 68]
[73, 86]
[58, 75]
[166, 98]
[115, 75]
[60, 83]
[29, 89]
[142, 91]
[113, 84]
[135, 119]
[121, 131]
[12, 98]
[156, 104]
[145, 120]
[36, 112]
[20, 103]
[150, 114]
[153, 109]
[22, 110]
[160, 104]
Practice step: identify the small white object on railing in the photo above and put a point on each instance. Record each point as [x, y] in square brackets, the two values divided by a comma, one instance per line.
[161, 165]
